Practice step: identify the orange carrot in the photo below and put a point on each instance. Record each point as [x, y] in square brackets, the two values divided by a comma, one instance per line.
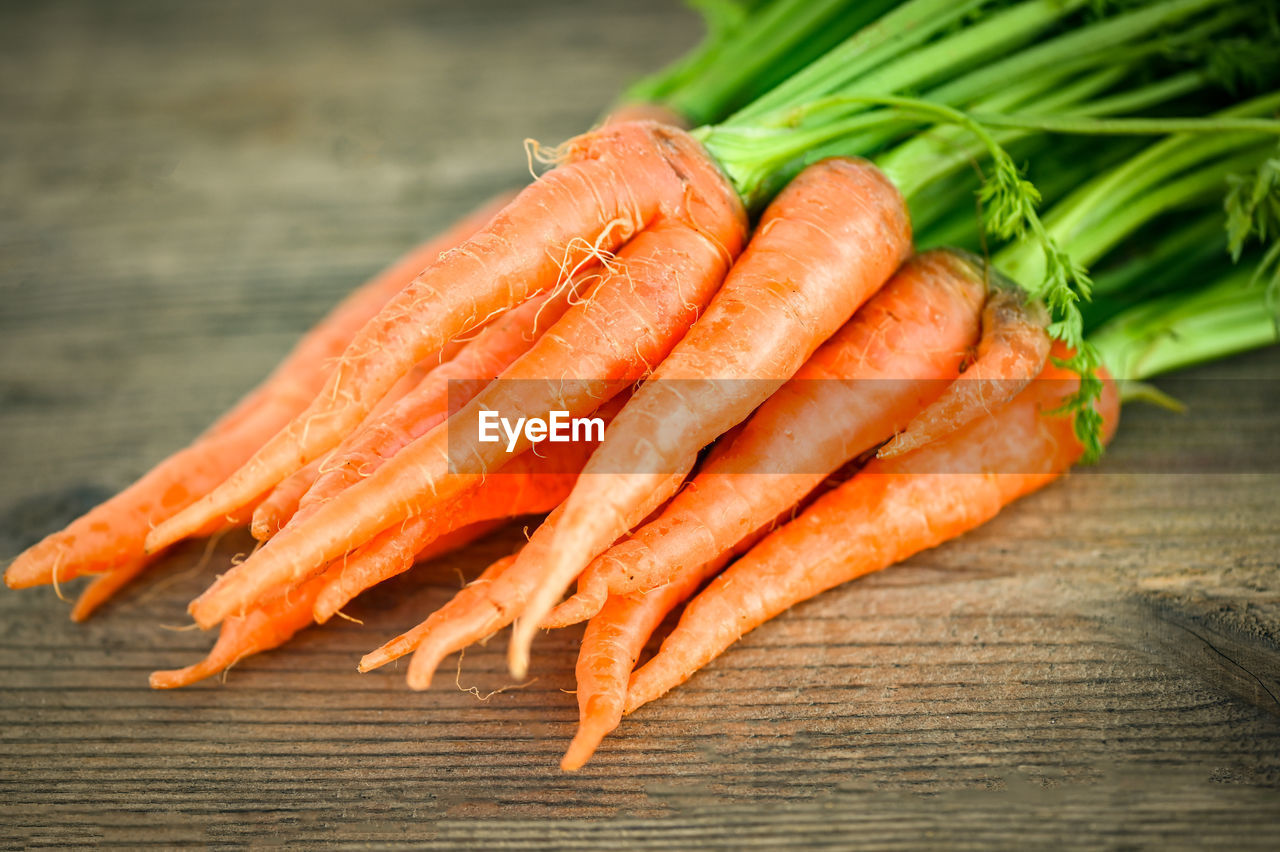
[113, 534]
[472, 598]
[103, 587]
[262, 628]
[895, 355]
[481, 608]
[397, 420]
[828, 241]
[451, 385]
[393, 552]
[1011, 352]
[276, 620]
[614, 183]
[650, 294]
[534, 482]
[891, 510]
[280, 504]
[611, 645]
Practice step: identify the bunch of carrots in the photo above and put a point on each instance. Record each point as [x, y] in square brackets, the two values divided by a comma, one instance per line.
[800, 385]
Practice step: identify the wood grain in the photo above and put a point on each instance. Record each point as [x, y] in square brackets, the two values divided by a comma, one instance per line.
[185, 187]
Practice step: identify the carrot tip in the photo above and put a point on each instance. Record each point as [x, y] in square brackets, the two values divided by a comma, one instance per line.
[577, 607]
[174, 678]
[518, 657]
[18, 579]
[423, 665]
[895, 447]
[380, 656]
[585, 742]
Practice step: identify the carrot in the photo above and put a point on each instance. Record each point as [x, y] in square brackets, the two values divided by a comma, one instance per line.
[451, 385]
[892, 509]
[1011, 352]
[650, 294]
[279, 618]
[611, 645]
[113, 534]
[280, 504]
[617, 634]
[262, 628]
[895, 355]
[472, 598]
[536, 481]
[828, 241]
[103, 587]
[390, 553]
[481, 608]
[614, 183]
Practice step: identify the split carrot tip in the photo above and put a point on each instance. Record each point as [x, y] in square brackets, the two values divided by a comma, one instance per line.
[208, 612]
[423, 666]
[644, 687]
[585, 742]
[578, 607]
[328, 602]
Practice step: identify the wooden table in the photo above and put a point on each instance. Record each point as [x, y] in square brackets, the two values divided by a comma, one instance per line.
[184, 188]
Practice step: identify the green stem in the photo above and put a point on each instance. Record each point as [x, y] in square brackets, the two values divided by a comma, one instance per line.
[909, 25]
[722, 19]
[1093, 44]
[1084, 126]
[784, 32]
[1209, 183]
[1184, 329]
[1098, 199]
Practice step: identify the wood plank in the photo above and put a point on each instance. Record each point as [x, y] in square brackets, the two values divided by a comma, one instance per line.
[185, 188]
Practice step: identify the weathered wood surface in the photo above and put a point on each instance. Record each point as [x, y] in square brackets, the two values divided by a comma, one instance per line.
[185, 187]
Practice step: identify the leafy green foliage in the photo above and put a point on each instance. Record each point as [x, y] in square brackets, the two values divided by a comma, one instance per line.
[1253, 206]
[1009, 202]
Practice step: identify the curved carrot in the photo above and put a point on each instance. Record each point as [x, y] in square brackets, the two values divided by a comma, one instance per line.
[894, 356]
[891, 510]
[1011, 352]
[648, 297]
[611, 645]
[278, 619]
[393, 552]
[828, 241]
[472, 598]
[614, 183]
[113, 534]
[262, 628]
[103, 587]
